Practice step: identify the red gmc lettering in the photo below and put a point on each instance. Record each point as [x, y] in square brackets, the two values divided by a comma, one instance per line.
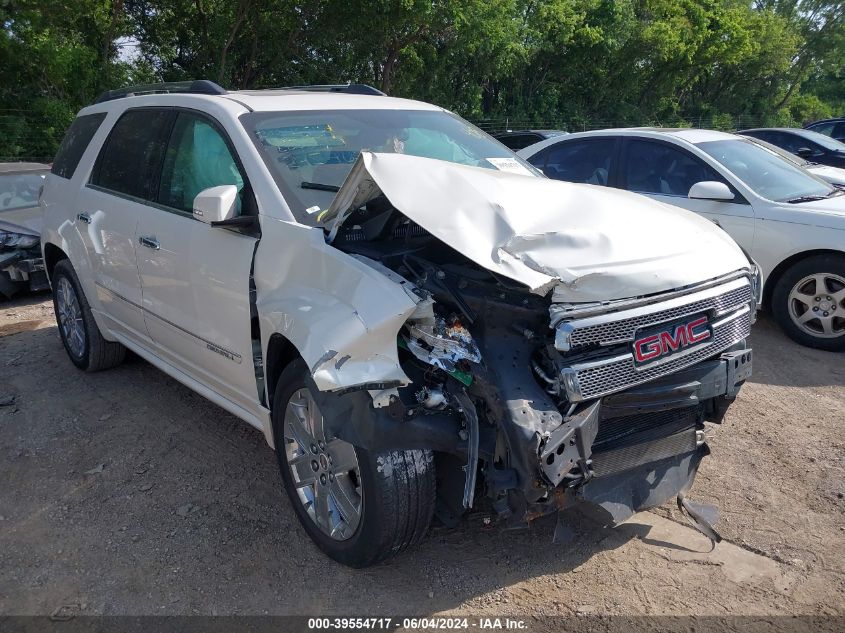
[650, 344]
[674, 343]
[656, 345]
[692, 337]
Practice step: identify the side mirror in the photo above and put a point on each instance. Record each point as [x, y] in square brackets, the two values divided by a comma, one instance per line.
[710, 190]
[805, 152]
[216, 204]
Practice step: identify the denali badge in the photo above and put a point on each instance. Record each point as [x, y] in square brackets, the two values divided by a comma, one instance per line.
[661, 341]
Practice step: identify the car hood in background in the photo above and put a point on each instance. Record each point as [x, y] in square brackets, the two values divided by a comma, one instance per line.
[29, 223]
[833, 175]
[828, 213]
[589, 243]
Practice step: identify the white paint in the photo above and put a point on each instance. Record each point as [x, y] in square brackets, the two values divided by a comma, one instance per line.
[770, 231]
[599, 244]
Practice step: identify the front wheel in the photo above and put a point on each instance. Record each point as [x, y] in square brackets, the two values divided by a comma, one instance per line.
[809, 302]
[360, 507]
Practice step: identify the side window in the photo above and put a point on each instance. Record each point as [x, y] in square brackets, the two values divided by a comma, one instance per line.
[839, 131]
[581, 161]
[132, 152]
[539, 159]
[662, 169]
[792, 142]
[197, 158]
[763, 135]
[519, 141]
[74, 144]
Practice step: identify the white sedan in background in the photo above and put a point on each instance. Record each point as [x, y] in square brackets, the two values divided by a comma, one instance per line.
[790, 221]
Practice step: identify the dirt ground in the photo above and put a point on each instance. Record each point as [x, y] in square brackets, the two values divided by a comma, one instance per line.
[124, 493]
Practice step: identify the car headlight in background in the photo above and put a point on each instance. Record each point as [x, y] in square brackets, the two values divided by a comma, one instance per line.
[17, 240]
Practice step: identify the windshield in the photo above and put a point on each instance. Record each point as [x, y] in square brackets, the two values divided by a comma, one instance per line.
[19, 190]
[766, 173]
[310, 153]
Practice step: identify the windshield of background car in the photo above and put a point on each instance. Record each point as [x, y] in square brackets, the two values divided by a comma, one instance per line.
[310, 153]
[20, 190]
[765, 172]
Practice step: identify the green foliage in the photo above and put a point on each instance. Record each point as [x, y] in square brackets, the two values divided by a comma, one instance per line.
[579, 63]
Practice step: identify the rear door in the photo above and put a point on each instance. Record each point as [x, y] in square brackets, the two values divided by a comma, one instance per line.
[108, 210]
[195, 277]
[666, 172]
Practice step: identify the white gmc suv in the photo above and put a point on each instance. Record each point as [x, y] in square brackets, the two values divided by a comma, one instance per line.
[411, 314]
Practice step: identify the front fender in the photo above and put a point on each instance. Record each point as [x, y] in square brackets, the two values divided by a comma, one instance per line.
[340, 314]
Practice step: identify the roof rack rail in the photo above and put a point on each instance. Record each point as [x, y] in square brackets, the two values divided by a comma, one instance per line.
[198, 86]
[352, 89]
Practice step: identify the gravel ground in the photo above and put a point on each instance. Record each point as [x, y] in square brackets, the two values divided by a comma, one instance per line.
[124, 493]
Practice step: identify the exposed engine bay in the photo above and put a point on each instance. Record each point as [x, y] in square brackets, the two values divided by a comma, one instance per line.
[500, 389]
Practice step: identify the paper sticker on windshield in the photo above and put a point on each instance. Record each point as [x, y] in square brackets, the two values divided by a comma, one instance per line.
[509, 164]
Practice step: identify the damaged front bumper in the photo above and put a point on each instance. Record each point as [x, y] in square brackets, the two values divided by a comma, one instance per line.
[639, 448]
[21, 269]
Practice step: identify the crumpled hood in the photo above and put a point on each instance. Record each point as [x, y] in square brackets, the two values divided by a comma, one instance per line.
[589, 243]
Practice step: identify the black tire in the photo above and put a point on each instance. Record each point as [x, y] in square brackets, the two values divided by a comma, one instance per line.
[833, 265]
[96, 353]
[397, 502]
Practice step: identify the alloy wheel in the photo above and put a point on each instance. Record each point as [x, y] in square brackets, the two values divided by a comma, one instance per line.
[70, 318]
[325, 470]
[817, 305]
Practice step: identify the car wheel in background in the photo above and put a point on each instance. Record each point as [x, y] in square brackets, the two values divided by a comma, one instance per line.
[809, 302]
[80, 335]
[359, 507]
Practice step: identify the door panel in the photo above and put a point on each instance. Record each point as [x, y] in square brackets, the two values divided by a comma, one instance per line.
[106, 225]
[196, 300]
[666, 172]
[196, 278]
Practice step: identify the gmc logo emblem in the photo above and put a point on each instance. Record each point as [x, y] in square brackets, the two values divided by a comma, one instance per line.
[667, 339]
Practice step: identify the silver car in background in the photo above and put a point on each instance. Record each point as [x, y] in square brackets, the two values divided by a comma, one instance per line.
[21, 218]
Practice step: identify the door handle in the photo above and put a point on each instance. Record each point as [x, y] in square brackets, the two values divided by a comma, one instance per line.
[83, 217]
[149, 241]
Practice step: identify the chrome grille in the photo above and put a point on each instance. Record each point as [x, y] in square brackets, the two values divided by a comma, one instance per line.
[624, 329]
[599, 378]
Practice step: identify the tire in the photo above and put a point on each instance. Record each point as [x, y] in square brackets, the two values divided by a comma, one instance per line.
[84, 344]
[808, 302]
[396, 489]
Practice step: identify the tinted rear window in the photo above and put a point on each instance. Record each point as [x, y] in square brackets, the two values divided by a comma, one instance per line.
[75, 143]
[132, 153]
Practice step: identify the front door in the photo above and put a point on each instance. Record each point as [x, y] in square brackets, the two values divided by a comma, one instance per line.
[666, 172]
[195, 278]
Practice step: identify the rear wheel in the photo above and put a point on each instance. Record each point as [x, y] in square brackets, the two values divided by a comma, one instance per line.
[80, 335]
[359, 507]
[809, 302]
